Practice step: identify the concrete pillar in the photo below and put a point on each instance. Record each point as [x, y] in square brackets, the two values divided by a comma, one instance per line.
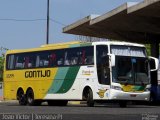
[154, 53]
[154, 77]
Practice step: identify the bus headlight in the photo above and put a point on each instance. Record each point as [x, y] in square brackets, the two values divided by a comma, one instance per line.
[116, 87]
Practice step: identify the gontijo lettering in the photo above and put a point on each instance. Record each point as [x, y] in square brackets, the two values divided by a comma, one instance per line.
[37, 73]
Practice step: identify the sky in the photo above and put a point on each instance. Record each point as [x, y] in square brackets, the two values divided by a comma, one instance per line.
[23, 22]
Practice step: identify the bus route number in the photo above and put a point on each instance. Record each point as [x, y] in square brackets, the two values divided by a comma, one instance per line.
[10, 75]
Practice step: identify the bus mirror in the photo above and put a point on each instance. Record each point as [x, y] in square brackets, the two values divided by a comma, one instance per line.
[112, 60]
[154, 62]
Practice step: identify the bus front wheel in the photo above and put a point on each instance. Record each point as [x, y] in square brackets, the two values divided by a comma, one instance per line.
[21, 97]
[89, 98]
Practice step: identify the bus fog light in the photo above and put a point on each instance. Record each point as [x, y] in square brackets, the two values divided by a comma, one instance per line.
[116, 87]
[146, 98]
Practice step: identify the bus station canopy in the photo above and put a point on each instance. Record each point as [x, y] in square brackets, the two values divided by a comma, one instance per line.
[135, 22]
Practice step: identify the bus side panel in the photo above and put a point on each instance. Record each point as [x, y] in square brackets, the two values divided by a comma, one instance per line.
[65, 85]
[8, 91]
[15, 79]
[84, 76]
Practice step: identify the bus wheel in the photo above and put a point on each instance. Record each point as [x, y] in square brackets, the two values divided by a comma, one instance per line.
[123, 104]
[89, 98]
[30, 97]
[21, 97]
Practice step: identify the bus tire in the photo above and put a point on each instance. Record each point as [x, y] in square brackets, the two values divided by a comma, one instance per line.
[89, 98]
[123, 104]
[30, 97]
[21, 97]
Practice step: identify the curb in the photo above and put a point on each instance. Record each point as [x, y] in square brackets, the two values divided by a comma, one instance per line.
[69, 102]
[74, 102]
[77, 102]
[8, 101]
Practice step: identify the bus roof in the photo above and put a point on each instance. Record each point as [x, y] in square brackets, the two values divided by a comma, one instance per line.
[52, 46]
[118, 43]
[73, 44]
[62, 44]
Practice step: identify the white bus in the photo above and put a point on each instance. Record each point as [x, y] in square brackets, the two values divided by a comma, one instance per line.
[97, 71]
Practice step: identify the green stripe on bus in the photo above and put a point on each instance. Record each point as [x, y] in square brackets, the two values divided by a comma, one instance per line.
[139, 88]
[80, 45]
[76, 45]
[86, 44]
[69, 79]
[58, 80]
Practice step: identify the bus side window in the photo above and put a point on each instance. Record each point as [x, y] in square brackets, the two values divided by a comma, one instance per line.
[60, 57]
[42, 59]
[89, 60]
[19, 63]
[74, 60]
[81, 57]
[52, 60]
[66, 58]
[43, 63]
[74, 56]
[26, 62]
[37, 61]
[60, 62]
[29, 60]
[88, 56]
[71, 56]
[10, 62]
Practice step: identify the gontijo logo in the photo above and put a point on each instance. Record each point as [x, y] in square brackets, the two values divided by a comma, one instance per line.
[37, 73]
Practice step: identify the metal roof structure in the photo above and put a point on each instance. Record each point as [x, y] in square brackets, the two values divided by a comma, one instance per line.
[134, 22]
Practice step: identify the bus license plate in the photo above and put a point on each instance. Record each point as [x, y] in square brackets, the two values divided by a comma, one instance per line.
[133, 95]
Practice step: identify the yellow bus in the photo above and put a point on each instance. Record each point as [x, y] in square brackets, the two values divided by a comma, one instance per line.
[95, 71]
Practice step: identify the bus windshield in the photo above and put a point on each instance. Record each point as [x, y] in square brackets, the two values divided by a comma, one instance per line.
[131, 70]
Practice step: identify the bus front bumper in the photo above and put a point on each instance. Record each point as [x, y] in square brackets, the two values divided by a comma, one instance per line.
[121, 95]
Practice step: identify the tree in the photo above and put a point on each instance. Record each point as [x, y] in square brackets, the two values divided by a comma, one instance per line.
[2, 57]
[148, 48]
[1, 66]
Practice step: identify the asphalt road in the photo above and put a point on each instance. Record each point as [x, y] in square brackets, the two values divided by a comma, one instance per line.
[12, 111]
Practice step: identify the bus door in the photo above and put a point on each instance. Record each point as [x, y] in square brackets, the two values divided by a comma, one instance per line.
[103, 69]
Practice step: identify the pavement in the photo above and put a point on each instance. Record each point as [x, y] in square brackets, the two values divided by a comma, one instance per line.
[1, 92]
[15, 101]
